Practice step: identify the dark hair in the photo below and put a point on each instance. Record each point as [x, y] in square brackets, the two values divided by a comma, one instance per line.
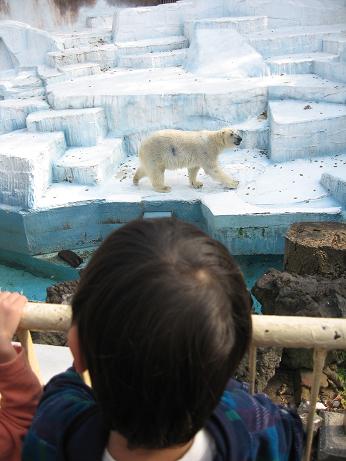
[163, 316]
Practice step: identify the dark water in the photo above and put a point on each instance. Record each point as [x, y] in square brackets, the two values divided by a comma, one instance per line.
[34, 287]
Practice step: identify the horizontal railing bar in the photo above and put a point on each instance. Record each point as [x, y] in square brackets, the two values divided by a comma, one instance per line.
[304, 332]
[268, 330]
[46, 317]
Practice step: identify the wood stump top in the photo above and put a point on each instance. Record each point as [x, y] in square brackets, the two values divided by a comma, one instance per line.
[319, 234]
[316, 249]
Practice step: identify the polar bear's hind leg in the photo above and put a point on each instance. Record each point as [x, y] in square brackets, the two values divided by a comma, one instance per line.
[140, 173]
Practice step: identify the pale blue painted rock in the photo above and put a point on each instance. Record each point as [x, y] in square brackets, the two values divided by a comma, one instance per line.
[82, 127]
[304, 130]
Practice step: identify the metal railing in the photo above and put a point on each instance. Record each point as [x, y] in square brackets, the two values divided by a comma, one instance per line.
[319, 334]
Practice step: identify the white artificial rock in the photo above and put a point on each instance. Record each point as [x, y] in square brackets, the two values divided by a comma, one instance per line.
[83, 38]
[300, 63]
[89, 165]
[8, 60]
[153, 45]
[290, 12]
[234, 58]
[100, 22]
[162, 98]
[69, 72]
[149, 60]
[335, 183]
[103, 54]
[13, 112]
[26, 166]
[335, 71]
[131, 24]
[306, 87]
[242, 24]
[81, 127]
[300, 129]
[293, 40]
[335, 45]
[21, 84]
[28, 45]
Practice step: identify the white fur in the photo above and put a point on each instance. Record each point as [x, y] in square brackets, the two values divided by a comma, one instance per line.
[173, 149]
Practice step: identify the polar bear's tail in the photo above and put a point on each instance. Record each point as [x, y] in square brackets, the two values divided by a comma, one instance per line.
[140, 173]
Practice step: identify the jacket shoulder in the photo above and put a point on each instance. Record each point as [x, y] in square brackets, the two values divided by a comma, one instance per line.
[65, 399]
[247, 427]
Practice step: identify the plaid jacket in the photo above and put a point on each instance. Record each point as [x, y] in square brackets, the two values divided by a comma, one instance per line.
[68, 426]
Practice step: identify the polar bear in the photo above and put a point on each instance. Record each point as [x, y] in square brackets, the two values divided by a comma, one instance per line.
[173, 149]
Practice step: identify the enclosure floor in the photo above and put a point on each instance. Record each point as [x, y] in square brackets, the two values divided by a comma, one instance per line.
[264, 186]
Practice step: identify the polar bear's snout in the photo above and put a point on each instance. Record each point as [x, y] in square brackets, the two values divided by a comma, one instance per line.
[237, 139]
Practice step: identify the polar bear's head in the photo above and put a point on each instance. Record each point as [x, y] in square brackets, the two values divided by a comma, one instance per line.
[230, 137]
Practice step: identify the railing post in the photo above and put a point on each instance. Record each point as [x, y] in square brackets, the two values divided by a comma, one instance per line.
[319, 360]
[25, 339]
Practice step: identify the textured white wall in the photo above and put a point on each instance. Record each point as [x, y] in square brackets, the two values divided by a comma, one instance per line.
[291, 12]
[44, 14]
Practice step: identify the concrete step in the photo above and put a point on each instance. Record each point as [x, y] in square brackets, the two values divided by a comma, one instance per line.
[335, 45]
[24, 84]
[152, 99]
[293, 40]
[83, 38]
[300, 129]
[51, 75]
[335, 71]
[154, 45]
[17, 93]
[149, 60]
[100, 22]
[26, 166]
[90, 165]
[242, 24]
[13, 112]
[301, 63]
[105, 55]
[335, 183]
[307, 87]
[83, 127]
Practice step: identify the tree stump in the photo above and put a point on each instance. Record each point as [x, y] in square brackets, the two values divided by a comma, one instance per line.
[316, 248]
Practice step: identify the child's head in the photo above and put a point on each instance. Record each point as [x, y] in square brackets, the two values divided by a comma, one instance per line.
[163, 318]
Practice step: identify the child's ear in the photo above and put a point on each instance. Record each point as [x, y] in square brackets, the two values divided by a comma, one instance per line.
[74, 345]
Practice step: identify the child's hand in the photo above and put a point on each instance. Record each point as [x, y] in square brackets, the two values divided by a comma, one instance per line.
[11, 308]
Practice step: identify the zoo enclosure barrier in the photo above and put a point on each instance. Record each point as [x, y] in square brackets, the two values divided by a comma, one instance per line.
[319, 334]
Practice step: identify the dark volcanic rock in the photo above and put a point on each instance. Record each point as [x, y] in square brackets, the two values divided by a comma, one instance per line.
[282, 293]
[62, 293]
[268, 360]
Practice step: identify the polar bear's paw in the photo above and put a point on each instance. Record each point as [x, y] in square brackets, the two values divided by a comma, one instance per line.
[232, 184]
[197, 185]
[164, 189]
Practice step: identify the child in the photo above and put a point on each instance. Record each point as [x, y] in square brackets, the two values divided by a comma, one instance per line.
[19, 387]
[161, 319]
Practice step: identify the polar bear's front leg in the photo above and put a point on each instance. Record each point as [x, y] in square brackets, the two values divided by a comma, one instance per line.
[157, 179]
[222, 177]
[193, 178]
